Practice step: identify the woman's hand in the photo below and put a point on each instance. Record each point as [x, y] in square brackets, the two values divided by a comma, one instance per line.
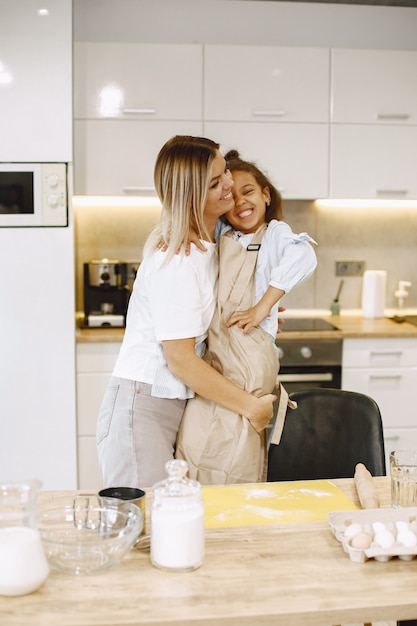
[263, 412]
[184, 363]
[192, 238]
[281, 320]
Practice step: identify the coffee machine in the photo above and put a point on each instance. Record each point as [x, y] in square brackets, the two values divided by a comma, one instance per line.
[107, 289]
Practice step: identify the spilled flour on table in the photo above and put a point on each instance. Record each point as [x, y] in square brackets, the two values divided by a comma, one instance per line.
[272, 503]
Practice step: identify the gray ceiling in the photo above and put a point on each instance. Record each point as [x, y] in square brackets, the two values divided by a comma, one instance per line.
[388, 3]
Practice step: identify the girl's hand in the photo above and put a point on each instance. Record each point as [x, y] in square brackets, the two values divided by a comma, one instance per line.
[249, 318]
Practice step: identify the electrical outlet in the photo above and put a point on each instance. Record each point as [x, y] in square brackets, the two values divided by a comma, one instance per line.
[350, 268]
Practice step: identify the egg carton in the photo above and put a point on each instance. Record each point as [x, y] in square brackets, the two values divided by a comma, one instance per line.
[340, 521]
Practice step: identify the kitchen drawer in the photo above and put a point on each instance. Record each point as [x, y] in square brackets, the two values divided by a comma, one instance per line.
[375, 353]
[394, 390]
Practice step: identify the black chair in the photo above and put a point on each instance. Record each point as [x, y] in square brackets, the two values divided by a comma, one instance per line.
[327, 435]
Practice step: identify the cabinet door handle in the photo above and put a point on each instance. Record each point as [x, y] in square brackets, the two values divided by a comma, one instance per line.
[374, 353]
[266, 112]
[297, 378]
[392, 116]
[132, 189]
[385, 352]
[392, 438]
[392, 192]
[385, 377]
[139, 111]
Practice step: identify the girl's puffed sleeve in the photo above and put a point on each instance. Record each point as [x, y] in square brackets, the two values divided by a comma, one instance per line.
[292, 256]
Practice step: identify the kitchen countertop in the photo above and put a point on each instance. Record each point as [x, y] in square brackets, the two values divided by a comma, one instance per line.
[279, 574]
[349, 325]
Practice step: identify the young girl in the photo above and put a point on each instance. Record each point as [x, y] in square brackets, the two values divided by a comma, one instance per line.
[159, 365]
[261, 259]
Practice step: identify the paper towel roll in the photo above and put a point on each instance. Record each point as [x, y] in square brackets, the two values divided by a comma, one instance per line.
[373, 293]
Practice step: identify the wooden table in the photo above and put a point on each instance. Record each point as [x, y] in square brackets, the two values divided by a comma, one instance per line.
[282, 575]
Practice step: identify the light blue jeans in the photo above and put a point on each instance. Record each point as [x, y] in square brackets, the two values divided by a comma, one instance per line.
[136, 434]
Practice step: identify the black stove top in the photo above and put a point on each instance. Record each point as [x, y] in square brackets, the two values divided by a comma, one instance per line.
[306, 323]
[411, 319]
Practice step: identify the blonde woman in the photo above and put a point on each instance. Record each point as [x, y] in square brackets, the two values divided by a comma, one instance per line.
[160, 363]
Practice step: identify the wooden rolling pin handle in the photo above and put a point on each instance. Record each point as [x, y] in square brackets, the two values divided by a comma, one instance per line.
[365, 487]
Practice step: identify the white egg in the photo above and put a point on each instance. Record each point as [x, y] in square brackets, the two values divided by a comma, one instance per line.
[379, 527]
[384, 539]
[407, 538]
[352, 530]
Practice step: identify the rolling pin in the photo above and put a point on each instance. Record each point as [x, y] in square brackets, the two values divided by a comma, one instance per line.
[365, 487]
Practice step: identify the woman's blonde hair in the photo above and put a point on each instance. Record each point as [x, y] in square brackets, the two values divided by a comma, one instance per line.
[182, 174]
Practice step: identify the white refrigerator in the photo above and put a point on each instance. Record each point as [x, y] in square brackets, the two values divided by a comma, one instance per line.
[37, 336]
[37, 356]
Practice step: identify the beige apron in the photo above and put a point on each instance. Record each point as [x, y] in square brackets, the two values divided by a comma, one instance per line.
[220, 445]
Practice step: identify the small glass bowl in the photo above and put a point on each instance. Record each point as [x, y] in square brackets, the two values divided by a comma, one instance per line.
[89, 539]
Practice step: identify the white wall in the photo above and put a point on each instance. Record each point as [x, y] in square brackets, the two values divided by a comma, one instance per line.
[246, 21]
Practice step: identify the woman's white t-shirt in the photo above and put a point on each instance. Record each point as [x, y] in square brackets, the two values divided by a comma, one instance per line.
[170, 300]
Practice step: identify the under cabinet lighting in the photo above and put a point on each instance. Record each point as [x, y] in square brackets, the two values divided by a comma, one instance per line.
[364, 203]
[42, 12]
[116, 201]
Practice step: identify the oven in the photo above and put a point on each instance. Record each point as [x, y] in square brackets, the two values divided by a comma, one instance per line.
[309, 362]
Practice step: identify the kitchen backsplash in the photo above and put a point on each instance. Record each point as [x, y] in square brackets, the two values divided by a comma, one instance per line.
[385, 238]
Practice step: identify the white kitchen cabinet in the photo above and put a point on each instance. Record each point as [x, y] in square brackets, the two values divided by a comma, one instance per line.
[266, 83]
[35, 82]
[399, 439]
[95, 362]
[386, 370]
[129, 99]
[295, 156]
[373, 146]
[117, 158]
[137, 81]
[370, 161]
[374, 86]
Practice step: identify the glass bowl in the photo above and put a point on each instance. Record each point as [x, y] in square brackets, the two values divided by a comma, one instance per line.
[87, 539]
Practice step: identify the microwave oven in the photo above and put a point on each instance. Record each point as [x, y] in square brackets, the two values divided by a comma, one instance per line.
[33, 194]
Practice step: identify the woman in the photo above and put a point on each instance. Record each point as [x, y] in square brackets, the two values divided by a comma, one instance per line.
[160, 363]
[261, 259]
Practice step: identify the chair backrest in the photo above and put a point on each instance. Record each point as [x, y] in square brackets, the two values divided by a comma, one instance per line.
[327, 435]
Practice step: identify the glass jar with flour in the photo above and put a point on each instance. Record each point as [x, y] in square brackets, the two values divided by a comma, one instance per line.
[177, 521]
[23, 564]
